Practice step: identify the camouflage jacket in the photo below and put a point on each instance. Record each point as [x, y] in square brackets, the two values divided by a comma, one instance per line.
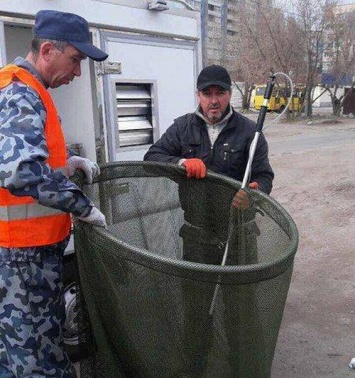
[23, 151]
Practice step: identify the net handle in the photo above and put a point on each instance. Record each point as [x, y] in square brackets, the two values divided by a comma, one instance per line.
[258, 129]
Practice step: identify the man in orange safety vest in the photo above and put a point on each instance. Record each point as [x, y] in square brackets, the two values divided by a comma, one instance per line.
[37, 197]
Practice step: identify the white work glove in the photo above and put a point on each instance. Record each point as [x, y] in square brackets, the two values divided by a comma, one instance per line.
[90, 168]
[95, 217]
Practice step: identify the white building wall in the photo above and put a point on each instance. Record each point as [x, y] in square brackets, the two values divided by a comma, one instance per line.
[81, 105]
[126, 15]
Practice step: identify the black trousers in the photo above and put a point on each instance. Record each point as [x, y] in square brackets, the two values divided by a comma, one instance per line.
[236, 302]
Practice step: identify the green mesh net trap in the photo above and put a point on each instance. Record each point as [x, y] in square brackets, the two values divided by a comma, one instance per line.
[148, 281]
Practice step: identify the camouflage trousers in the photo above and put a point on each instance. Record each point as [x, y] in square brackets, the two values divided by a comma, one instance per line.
[32, 313]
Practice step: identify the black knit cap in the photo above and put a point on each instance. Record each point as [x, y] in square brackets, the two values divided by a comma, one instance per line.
[213, 75]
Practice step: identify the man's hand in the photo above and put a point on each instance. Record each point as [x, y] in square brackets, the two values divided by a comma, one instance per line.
[254, 185]
[195, 168]
[242, 200]
[90, 168]
[95, 217]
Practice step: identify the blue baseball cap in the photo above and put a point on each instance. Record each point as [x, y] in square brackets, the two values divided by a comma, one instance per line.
[68, 27]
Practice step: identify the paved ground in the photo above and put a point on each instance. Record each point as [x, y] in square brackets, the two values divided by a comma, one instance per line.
[315, 182]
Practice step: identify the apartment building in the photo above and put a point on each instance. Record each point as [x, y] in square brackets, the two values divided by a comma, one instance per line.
[220, 28]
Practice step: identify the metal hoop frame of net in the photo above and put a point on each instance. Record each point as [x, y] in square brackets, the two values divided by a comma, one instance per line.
[147, 282]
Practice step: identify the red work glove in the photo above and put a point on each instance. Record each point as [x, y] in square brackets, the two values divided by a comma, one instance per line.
[242, 200]
[195, 168]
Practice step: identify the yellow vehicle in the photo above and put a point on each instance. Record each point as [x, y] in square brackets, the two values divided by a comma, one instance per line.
[279, 98]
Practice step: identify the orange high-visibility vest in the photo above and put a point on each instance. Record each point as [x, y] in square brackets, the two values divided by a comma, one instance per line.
[24, 222]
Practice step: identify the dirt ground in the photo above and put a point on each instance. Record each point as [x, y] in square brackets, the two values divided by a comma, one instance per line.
[316, 185]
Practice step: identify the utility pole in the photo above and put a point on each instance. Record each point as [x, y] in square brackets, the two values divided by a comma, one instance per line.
[224, 24]
[204, 30]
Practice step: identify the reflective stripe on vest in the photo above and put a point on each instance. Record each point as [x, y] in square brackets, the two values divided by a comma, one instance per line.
[31, 210]
[24, 222]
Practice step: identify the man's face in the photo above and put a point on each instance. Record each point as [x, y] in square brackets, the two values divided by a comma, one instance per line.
[213, 102]
[63, 66]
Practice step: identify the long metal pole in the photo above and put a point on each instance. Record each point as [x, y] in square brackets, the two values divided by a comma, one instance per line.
[258, 129]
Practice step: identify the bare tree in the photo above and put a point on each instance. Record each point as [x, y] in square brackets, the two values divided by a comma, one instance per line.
[311, 15]
[339, 46]
[268, 45]
[249, 68]
[292, 40]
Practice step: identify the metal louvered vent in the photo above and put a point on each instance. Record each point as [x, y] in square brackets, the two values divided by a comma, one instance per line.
[134, 114]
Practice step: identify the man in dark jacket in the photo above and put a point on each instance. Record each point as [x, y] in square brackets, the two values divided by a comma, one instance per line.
[217, 138]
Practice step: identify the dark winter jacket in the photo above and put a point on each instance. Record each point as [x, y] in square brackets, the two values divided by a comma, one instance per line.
[188, 138]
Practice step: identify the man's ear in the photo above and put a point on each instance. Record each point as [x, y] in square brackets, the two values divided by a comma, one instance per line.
[46, 50]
